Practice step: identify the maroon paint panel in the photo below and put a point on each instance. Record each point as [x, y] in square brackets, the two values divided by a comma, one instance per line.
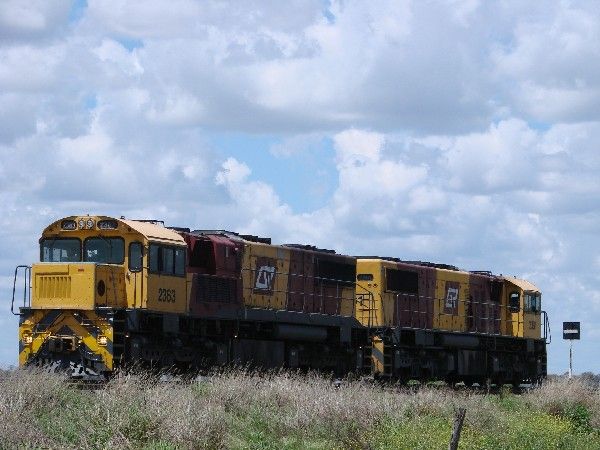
[416, 310]
[215, 255]
[328, 297]
[300, 281]
[329, 282]
[226, 255]
[309, 293]
[483, 308]
[212, 296]
[216, 284]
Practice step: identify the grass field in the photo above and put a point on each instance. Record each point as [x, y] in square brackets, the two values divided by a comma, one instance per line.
[287, 411]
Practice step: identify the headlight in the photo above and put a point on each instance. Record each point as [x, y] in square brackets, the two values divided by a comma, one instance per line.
[102, 340]
[27, 339]
[90, 224]
[81, 224]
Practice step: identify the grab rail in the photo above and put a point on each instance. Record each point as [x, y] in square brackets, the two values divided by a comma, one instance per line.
[547, 332]
[26, 288]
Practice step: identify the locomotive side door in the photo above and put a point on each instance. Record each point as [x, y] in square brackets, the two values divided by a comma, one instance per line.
[166, 288]
[532, 314]
[515, 311]
[134, 274]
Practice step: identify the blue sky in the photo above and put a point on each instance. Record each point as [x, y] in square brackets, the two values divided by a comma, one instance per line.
[459, 131]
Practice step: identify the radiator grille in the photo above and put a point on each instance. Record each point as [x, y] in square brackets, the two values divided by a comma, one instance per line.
[53, 286]
[216, 289]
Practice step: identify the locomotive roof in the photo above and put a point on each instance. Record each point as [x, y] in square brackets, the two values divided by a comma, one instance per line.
[413, 263]
[154, 232]
[523, 284]
[264, 240]
[232, 235]
[151, 230]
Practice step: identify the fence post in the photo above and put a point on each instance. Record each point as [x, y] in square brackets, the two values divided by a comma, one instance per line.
[458, 423]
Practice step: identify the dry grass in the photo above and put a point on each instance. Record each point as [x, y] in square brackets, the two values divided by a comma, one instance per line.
[242, 410]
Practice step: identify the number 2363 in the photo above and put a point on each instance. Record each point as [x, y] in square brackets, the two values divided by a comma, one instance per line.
[166, 295]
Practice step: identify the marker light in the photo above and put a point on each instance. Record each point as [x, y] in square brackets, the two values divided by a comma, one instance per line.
[81, 224]
[107, 224]
[68, 225]
[27, 339]
[102, 340]
[90, 224]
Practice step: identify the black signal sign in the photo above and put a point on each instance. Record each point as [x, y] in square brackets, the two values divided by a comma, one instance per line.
[571, 330]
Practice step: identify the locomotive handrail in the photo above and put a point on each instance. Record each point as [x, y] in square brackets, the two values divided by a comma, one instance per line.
[489, 320]
[547, 332]
[319, 293]
[493, 319]
[26, 288]
[361, 298]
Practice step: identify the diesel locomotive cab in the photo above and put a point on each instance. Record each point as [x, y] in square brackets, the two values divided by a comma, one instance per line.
[75, 290]
[90, 271]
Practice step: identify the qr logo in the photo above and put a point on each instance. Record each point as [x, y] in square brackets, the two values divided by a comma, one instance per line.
[265, 275]
[451, 298]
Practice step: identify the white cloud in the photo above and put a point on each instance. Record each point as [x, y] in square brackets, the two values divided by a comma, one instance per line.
[31, 19]
[177, 108]
[113, 53]
[498, 159]
[552, 63]
[355, 147]
[25, 67]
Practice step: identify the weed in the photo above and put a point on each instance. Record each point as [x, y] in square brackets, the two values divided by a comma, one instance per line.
[240, 409]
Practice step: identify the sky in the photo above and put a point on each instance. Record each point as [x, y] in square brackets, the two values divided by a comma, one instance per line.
[462, 131]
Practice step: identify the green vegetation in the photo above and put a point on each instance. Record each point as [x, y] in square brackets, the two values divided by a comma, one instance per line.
[287, 411]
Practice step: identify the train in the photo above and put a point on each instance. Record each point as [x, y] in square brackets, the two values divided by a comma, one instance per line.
[113, 293]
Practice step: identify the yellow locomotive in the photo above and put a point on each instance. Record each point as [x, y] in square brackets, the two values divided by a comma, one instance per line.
[111, 292]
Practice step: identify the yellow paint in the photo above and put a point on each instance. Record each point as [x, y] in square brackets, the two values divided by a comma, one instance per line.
[532, 324]
[105, 327]
[377, 355]
[254, 294]
[384, 302]
[79, 329]
[374, 306]
[443, 319]
[90, 341]
[74, 285]
[347, 306]
[63, 286]
[521, 323]
[135, 284]
[26, 328]
[166, 293]
[113, 278]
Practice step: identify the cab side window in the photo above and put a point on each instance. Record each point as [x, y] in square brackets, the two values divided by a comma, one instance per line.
[514, 302]
[135, 256]
[167, 260]
[532, 302]
[179, 262]
[154, 255]
[166, 264]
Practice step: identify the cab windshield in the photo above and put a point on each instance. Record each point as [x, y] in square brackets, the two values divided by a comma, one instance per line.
[104, 250]
[60, 250]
